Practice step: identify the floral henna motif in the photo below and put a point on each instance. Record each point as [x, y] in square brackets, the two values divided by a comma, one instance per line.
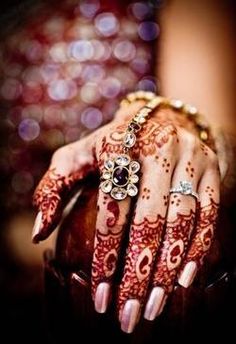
[174, 247]
[204, 233]
[153, 136]
[47, 197]
[106, 251]
[114, 212]
[143, 245]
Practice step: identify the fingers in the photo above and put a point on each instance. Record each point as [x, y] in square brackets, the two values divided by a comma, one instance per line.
[111, 219]
[179, 225]
[180, 222]
[206, 223]
[144, 239]
[69, 164]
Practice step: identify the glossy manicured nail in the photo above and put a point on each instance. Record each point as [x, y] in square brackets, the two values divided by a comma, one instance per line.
[102, 297]
[188, 274]
[130, 315]
[37, 226]
[155, 303]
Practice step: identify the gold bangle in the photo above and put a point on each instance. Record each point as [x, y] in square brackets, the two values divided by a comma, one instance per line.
[188, 110]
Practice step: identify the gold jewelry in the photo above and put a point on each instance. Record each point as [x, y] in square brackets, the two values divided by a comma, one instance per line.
[119, 175]
[177, 105]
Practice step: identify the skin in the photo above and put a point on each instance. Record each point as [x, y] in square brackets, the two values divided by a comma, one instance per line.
[166, 232]
[169, 235]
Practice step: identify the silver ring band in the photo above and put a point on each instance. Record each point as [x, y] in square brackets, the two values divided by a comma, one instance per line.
[185, 188]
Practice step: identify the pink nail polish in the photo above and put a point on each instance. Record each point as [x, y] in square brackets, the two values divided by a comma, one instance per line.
[130, 315]
[37, 225]
[188, 274]
[102, 297]
[155, 304]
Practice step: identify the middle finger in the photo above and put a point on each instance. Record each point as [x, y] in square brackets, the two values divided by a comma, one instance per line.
[145, 235]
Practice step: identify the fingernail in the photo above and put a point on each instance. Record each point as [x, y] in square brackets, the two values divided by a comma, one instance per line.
[155, 304]
[130, 315]
[188, 274]
[37, 225]
[102, 297]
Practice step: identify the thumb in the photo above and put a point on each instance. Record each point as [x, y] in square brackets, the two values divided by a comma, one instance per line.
[69, 165]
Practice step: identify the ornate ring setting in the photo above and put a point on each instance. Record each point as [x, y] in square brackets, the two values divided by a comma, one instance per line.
[119, 177]
[185, 188]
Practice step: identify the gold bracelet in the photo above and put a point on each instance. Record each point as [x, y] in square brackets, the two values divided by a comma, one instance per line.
[188, 110]
[119, 174]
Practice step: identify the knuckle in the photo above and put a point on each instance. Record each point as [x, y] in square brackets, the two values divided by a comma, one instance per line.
[190, 143]
[58, 153]
[213, 160]
[167, 139]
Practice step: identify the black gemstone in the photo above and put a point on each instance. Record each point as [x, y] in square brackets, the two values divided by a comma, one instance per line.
[134, 126]
[120, 176]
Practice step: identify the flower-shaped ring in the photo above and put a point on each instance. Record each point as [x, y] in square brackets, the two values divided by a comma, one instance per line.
[119, 177]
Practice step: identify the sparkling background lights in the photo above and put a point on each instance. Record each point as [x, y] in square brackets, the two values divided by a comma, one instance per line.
[62, 76]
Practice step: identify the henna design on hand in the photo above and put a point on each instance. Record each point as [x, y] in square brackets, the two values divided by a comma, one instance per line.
[204, 233]
[174, 247]
[204, 149]
[145, 193]
[190, 170]
[166, 165]
[209, 191]
[166, 200]
[114, 212]
[175, 200]
[143, 245]
[106, 251]
[153, 137]
[49, 194]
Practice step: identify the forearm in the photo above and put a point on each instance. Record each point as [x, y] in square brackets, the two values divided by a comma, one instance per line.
[196, 58]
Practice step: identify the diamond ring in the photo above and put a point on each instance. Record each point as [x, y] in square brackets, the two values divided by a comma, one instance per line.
[185, 188]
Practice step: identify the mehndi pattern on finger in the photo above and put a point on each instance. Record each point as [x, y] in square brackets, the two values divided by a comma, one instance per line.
[48, 197]
[173, 249]
[204, 233]
[141, 253]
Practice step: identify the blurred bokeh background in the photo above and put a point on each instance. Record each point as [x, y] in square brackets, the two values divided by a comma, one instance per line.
[64, 66]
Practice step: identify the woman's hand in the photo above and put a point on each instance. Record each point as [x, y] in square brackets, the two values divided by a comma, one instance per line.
[169, 234]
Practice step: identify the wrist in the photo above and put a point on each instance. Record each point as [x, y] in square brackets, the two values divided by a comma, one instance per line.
[165, 110]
